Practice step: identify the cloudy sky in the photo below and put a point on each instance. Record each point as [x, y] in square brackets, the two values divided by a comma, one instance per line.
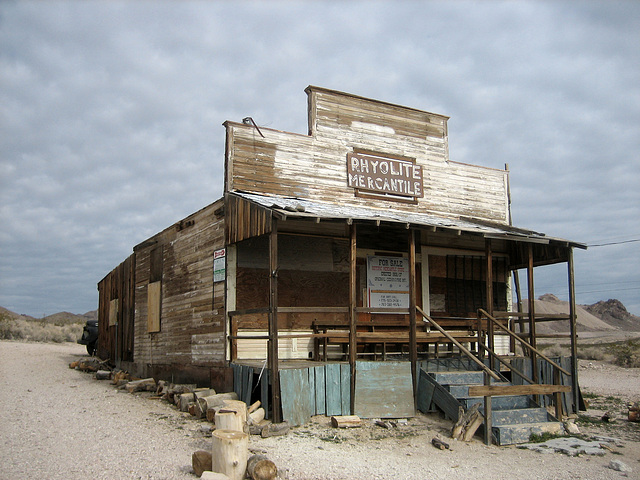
[111, 118]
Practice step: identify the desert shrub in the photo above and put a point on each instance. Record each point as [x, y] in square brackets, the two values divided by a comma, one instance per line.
[592, 353]
[556, 351]
[626, 354]
[38, 331]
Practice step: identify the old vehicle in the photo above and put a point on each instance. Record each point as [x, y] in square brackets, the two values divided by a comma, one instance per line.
[90, 336]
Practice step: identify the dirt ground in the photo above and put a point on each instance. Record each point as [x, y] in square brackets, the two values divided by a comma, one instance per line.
[58, 423]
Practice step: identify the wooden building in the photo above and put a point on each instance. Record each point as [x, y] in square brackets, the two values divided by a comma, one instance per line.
[358, 246]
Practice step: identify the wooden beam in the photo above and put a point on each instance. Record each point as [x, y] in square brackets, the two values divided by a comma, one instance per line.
[532, 322]
[413, 345]
[503, 390]
[272, 351]
[489, 295]
[353, 299]
[573, 330]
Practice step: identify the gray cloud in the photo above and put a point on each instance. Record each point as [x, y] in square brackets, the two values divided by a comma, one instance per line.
[112, 116]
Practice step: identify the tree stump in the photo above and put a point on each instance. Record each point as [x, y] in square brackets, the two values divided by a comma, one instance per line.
[229, 453]
[229, 420]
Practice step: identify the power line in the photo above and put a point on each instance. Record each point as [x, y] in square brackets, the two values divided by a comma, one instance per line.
[613, 243]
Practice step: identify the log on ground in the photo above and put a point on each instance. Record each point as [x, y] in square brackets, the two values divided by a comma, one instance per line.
[260, 467]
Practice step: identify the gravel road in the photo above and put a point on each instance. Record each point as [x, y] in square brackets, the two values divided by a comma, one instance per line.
[58, 423]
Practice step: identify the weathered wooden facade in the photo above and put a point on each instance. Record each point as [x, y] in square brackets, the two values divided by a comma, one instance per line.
[359, 241]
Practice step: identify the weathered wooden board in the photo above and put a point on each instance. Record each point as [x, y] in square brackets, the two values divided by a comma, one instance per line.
[424, 396]
[345, 388]
[339, 124]
[295, 398]
[384, 390]
[442, 398]
[333, 390]
[319, 390]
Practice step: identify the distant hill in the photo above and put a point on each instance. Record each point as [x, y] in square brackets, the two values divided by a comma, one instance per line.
[614, 313]
[62, 318]
[603, 316]
[608, 316]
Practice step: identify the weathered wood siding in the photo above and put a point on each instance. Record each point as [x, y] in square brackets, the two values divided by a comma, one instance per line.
[116, 312]
[315, 166]
[192, 326]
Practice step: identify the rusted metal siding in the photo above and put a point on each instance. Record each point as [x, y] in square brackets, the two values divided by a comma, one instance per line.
[315, 167]
[192, 328]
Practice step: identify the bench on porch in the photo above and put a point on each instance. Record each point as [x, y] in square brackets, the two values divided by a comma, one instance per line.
[384, 333]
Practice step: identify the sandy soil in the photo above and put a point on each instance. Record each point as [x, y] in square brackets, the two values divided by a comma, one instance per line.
[62, 423]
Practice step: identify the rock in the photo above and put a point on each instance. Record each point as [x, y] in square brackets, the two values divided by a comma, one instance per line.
[619, 466]
[214, 476]
[571, 428]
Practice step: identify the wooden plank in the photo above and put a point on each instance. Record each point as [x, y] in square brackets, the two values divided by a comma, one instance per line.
[442, 398]
[332, 389]
[320, 390]
[424, 397]
[294, 385]
[384, 390]
[501, 390]
[154, 297]
[345, 388]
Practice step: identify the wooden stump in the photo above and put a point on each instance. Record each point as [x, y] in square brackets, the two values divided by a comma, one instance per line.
[229, 420]
[260, 467]
[229, 453]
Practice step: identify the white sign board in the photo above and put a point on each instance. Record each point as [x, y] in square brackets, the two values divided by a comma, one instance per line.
[388, 282]
[219, 267]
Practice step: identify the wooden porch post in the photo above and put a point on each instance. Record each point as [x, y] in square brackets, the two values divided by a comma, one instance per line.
[413, 344]
[489, 295]
[353, 298]
[532, 321]
[573, 330]
[272, 351]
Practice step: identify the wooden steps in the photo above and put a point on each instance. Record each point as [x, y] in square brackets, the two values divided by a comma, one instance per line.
[514, 417]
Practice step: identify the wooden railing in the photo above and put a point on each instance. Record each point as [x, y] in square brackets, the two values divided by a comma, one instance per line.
[534, 388]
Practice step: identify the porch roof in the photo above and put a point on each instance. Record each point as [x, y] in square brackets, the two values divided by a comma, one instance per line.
[292, 207]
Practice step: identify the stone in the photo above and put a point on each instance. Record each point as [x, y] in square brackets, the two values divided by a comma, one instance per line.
[571, 428]
[619, 466]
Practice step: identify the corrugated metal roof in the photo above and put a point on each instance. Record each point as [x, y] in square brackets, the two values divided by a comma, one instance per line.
[303, 208]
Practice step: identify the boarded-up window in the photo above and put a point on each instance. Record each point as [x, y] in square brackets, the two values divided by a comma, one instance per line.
[466, 285]
[113, 312]
[154, 296]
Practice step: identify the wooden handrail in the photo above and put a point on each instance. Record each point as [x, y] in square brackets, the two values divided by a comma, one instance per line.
[484, 368]
[508, 365]
[523, 342]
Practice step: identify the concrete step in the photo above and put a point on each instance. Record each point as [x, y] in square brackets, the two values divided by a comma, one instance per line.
[521, 433]
[518, 416]
[458, 378]
[507, 402]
